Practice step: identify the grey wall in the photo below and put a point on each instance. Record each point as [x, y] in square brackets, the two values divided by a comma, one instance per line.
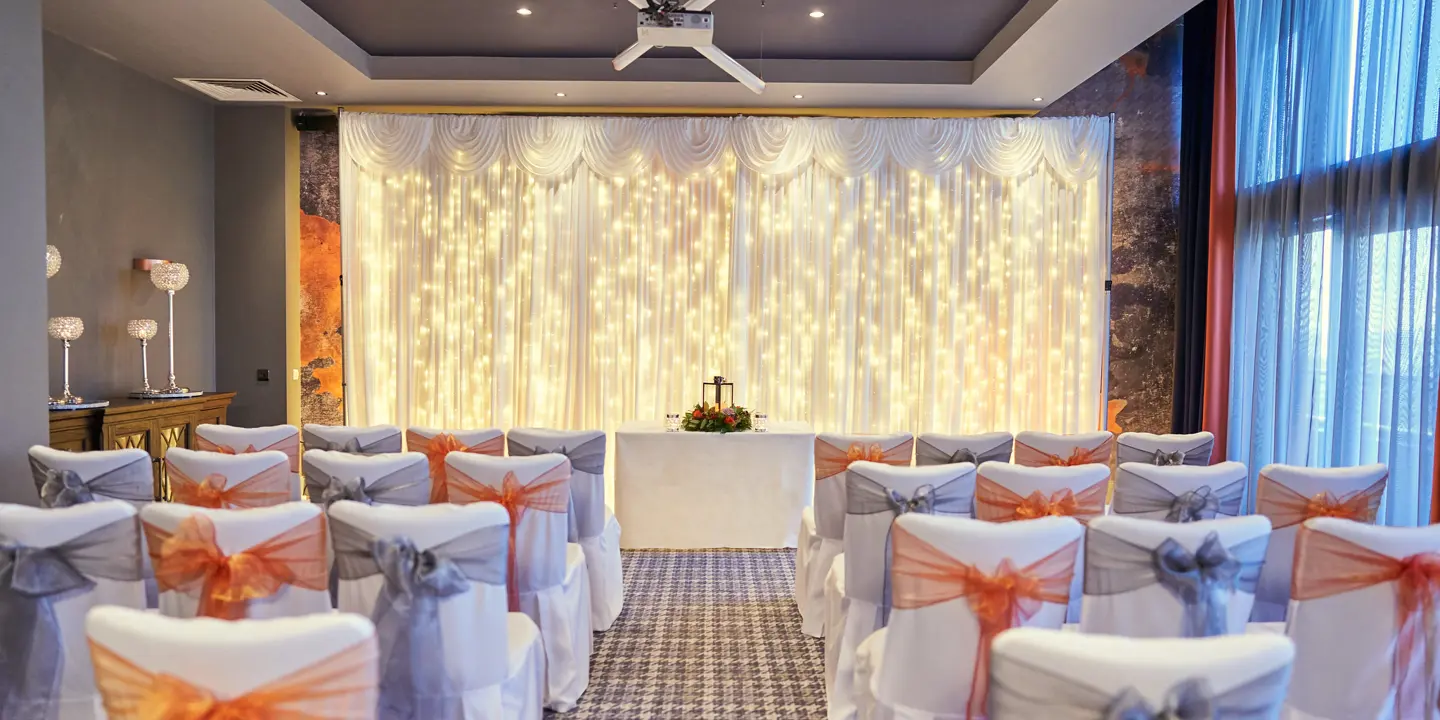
[250, 217]
[129, 174]
[23, 373]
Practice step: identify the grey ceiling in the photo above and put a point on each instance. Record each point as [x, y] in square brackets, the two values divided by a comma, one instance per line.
[782, 29]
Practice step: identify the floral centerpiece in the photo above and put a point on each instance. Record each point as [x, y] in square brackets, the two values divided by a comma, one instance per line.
[711, 418]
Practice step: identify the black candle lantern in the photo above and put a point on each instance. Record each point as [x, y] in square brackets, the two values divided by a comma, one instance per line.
[719, 393]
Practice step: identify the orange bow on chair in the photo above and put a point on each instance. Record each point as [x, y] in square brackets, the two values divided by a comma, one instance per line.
[1033, 457]
[831, 461]
[270, 486]
[341, 686]
[191, 562]
[1326, 565]
[443, 444]
[290, 446]
[922, 575]
[996, 503]
[1285, 507]
[548, 492]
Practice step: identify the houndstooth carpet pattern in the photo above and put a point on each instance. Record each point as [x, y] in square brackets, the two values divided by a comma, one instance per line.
[706, 634]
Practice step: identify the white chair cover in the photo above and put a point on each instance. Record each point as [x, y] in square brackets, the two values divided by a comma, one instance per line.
[1150, 578]
[1179, 493]
[877, 494]
[592, 524]
[388, 479]
[927, 664]
[1289, 495]
[937, 449]
[1037, 449]
[485, 441]
[488, 679]
[550, 579]
[228, 660]
[1084, 483]
[203, 467]
[85, 555]
[1350, 637]
[347, 438]
[237, 531]
[233, 440]
[1069, 676]
[66, 478]
[833, 454]
[1170, 449]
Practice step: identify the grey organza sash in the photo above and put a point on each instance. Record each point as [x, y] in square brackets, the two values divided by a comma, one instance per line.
[409, 485]
[1020, 690]
[587, 500]
[132, 482]
[927, 454]
[1198, 455]
[1203, 581]
[1136, 495]
[32, 656]
[414, 684]
[865, 495]
[387, 444]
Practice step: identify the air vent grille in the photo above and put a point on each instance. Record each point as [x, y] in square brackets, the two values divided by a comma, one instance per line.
[227, 90]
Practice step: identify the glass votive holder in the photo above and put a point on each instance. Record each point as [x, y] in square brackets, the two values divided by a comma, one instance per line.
[672, 422]
[759, 421]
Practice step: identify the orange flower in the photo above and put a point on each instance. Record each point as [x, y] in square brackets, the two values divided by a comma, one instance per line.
[729, 419]
[697, 414]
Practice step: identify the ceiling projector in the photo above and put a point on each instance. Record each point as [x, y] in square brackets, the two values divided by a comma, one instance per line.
[682, 23]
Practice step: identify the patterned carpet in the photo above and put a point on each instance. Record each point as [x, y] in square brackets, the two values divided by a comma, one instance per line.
[706, 634]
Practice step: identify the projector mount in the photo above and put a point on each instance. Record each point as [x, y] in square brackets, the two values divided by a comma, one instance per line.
[682, 23]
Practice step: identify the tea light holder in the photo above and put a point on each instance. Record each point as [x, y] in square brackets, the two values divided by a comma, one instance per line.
[672, 422]
[66, 329]
[144, 331]
[759, 422]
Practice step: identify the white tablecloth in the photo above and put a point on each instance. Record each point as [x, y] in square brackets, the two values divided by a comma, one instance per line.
[699, 490]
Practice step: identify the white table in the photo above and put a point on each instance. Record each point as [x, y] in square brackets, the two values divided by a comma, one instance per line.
[702, 490]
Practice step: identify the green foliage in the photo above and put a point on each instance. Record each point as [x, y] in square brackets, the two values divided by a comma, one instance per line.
[710, 418]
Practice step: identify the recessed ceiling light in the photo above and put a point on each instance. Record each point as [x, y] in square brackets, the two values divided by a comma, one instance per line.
[559, 94]
[1039, 99]
[523, 11]
[817, 14]
[321, 93]
[799, 96]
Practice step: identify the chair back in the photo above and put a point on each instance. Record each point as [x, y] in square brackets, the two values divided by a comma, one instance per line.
[938, 449]
[370, 440]
[55, 565]
[316, 666]
[1289, 495]
[1150, 578]
[436, 443]
[1362, 649]
[1037, 449]
[1179, 493]
[951, 597]
[448, 605]
[233, 440]
[285, 572]
[1047, 674]
[66, 478]
[586, 452]
[388, 479]
[1168, 449]
[834, 453]
[535, 492]
[230, 482]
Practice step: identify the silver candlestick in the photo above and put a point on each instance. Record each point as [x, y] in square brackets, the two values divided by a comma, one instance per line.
[171, 277]
[66, 329]
[143, 330]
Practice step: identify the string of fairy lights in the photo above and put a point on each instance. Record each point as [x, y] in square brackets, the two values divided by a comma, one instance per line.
[960, 302]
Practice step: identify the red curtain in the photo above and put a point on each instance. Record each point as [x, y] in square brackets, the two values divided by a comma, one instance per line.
[1222, 232]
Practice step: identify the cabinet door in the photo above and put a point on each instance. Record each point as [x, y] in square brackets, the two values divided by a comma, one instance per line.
[174, 431]
[138, 435]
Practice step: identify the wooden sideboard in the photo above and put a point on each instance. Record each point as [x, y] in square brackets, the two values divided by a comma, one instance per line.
[154, 426]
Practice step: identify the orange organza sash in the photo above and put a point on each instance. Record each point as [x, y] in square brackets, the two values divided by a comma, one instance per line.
[1326, 565]
[996, 503]
[922, 575]
[831, 461]
[270, 486]
[190, 561]
[1031, 457]
[443, 444]
[339, 687]
[1285, 507]
[290, 446]
[549, 492]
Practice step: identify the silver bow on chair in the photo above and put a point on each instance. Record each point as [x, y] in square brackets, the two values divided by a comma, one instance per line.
[1198, 504]
[352, 445]
[1171, 458]
[1189, 700]
[1202, 580]
[337, 490]
[1136, 495]
[921, 501]
[413, 681]
[63, 488]
[409, 485]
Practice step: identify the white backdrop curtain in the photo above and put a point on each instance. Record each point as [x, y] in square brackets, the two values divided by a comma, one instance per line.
[862, 275]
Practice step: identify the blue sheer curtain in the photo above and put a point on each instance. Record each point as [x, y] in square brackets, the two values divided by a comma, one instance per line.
[1337, 250]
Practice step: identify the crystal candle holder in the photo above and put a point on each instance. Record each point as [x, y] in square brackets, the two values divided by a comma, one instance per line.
[672, 422]
[144, 331]
[66, 329]
[171, 277]
[52, 261]
[759, 421]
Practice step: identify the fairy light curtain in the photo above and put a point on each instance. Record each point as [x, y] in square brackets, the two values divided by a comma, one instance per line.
[858, 274]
